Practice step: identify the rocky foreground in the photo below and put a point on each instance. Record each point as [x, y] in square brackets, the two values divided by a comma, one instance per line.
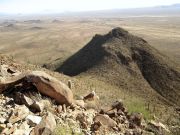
[35, 103]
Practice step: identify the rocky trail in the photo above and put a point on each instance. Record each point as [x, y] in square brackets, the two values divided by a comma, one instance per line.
[35, 103]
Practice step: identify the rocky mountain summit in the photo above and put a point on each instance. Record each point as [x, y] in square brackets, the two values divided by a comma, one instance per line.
[35, 103]
[129, 62]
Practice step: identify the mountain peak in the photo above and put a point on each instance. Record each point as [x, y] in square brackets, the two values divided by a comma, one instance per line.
[127, 61]
[118, 32]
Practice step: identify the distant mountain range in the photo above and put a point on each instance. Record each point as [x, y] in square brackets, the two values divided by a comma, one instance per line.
[168, 10]
[170, 6]
[157, 10]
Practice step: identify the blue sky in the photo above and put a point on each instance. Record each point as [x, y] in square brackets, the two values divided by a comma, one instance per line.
[40, 6]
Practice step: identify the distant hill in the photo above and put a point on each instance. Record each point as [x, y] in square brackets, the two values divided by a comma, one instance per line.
[169, 10]
[128, 61]
[170, 6]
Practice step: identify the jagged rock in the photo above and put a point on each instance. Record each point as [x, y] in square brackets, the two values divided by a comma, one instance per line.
[105, 120]
[64, 108]
[22, 99]
[20, 113]
[59, 108]
[37, 107]
[91, 101]
[6, 70]
[2, 126]
[97, 126]
[118, 105]
[80, 103]
[112, 113]
[47, 123]
[33, 120]
[91, 96]
[9, 125]
[135, 119]
[116, 108]
[157, 128]
[2, 120]
[24, 129]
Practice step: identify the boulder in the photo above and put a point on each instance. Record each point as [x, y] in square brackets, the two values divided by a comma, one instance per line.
[135, 119]
[48, 123]
[91, 96]
[20, 98]
[118, 105]
[51, 87]
[44, 83]
[37, 107]
[2, 120]
[105, 120]
[6, 70]
[80, 103]
[20, 113]
[33, 120]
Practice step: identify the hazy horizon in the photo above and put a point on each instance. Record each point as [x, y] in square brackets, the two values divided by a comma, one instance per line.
[59, 6]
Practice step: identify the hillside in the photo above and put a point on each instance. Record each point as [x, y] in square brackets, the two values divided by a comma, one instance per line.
[33, 110]
[129, 62]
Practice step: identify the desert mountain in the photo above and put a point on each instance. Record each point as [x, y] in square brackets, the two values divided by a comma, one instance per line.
[129, 62]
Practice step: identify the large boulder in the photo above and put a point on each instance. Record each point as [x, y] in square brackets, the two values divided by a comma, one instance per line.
[51, 87]
[47, 124]
[44, 83]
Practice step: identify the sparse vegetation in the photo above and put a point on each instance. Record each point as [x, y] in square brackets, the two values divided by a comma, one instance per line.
[64, 130]
[137, 105]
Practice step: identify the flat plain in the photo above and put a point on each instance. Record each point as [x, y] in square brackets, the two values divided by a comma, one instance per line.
[54, 39]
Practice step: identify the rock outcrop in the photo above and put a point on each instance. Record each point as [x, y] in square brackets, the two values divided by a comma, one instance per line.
[44, 83]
